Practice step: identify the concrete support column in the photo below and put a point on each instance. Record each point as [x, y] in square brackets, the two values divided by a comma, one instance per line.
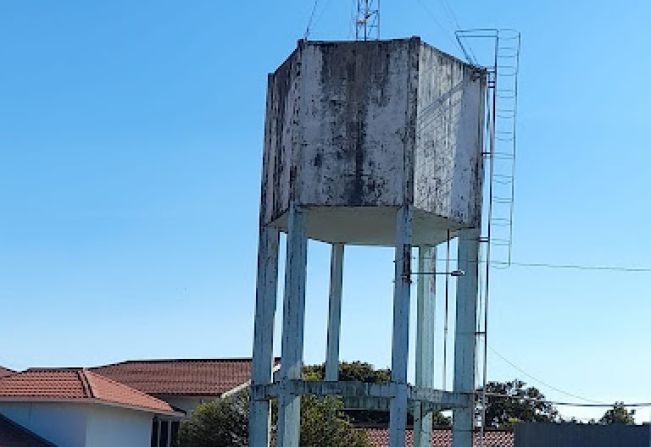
[334, 312]
[425, 320]
[400, 339]
[265, 310]
[289, 405]
[465, 337]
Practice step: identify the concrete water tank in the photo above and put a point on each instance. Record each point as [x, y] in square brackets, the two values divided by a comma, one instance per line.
[369, 143]
[355, 130]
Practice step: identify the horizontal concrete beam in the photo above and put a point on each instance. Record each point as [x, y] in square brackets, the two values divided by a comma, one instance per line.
[369, 396]
[446, 399]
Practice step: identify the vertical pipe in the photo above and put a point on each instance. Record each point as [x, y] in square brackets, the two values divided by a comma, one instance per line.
[446, 311]
[289, 405]
[334, 312]
[489, 224]
[265, 310]
[400, 340]
[465, 337]
[425, 320]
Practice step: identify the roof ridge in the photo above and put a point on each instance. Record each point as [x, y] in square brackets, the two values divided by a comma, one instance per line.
[180, 360]
[51, 368]
[189, 359]
[115, 382]
[85, 383]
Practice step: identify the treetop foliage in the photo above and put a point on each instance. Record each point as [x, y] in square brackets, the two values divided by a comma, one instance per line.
[518, 404]
[618, 415]
[350, 371]
[224, 423]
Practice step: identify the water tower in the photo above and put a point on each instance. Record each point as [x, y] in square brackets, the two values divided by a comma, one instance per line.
[375, 143]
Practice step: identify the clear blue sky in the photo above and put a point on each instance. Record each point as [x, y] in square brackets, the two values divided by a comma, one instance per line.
[131, 139]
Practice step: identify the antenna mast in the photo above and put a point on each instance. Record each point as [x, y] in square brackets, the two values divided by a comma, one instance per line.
[367, 21]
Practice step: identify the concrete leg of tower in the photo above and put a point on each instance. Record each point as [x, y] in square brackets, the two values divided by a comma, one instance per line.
[426, 307]
[265, 309]
[289, 405]
[400, 340]
[465, 337]
[334, 313]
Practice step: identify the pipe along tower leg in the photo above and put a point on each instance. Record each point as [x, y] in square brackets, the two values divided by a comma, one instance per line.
[400, 340]
[465, 336]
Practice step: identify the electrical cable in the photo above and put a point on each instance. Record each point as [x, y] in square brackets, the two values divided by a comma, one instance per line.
[446, 32]
[549, 265]
[551, 387]
[609, 268]
[569, 404]
[448, 9]
[311, 19]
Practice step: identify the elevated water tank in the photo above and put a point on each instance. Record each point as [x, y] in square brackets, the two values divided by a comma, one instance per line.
[355, 130]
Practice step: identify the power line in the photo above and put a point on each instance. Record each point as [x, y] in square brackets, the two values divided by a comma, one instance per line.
[446, 32]
[610, 268]
[311, 19]
[448, 9]
[569, 404]
[558, 390]
[549, 265]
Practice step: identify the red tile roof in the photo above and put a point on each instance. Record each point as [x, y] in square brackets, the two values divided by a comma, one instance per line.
[13, 435]
[4, 372]
[75, 384]
[207, 377]
[443, 438]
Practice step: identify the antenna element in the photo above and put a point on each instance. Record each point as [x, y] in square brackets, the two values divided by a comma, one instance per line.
[367, 20]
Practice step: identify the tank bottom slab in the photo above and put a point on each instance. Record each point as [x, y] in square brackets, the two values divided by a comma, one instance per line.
[374, 226]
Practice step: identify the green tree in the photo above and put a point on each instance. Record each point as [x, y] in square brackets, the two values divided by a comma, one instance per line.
[618, 415]
[441, 420]
[365, 372]
[508, 403]
[323, 423]
[224, 423]
[360, 372]
[350, 371]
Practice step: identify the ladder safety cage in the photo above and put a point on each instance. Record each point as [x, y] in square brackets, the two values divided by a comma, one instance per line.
[501, 59]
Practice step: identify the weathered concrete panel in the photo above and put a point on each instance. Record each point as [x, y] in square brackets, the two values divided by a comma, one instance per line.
[448, 165]
[354, 135]
[361, 128]
[282, 134]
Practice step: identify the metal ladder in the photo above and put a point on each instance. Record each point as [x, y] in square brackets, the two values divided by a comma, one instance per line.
[502, 66]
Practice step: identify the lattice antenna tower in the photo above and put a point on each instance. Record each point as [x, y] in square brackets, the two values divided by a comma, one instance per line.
[367, 20]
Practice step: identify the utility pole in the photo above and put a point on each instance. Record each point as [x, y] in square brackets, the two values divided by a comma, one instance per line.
[367, 20]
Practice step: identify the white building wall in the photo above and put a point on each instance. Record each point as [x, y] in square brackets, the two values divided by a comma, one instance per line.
[82, 424]
[60, 423]
[118, 427]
